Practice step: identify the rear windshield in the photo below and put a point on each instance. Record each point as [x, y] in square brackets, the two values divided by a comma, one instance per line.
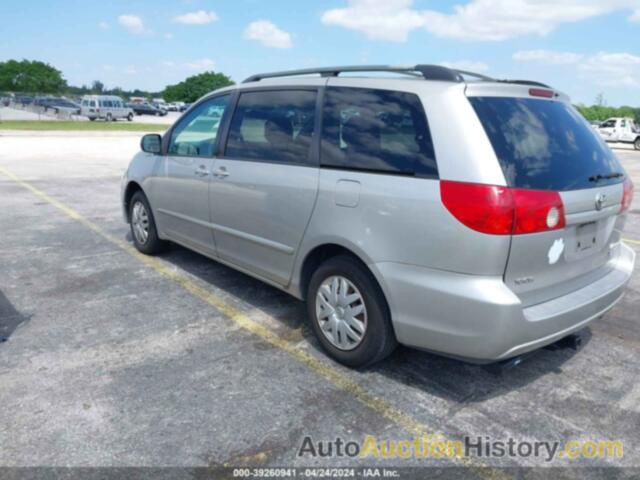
[545, 145]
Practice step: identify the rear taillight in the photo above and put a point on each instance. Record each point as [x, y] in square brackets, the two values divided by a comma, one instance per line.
[537, 211]
[627, 194]
[499, 210]
[484, 208]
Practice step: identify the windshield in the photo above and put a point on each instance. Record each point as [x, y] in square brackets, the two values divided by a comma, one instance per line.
[545, 145]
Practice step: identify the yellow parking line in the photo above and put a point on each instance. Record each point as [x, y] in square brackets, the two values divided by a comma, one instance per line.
[322, 368]
[631, 241]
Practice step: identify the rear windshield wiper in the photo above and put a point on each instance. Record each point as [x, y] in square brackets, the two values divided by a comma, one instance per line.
[595, 178]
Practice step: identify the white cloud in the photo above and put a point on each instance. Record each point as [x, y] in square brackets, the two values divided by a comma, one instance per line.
[201, 64]
[468, 65]
[132, 23]
[602, 68]
[390, 20]
[168, 36]
[612, 69]
[130, 70]
[268, 34]
[547, 56]
[495, 20]
[201, 17]
[103, 26]
[635, 16]
[483, 20]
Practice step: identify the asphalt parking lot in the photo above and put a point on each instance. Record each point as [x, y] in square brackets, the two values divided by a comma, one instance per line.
[116, 360]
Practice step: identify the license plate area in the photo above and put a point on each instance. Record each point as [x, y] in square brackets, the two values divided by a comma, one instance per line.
[586, 237]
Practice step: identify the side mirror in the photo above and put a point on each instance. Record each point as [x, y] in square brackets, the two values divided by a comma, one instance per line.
[151, 143]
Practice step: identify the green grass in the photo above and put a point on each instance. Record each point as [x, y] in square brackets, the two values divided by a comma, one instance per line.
[69, 126]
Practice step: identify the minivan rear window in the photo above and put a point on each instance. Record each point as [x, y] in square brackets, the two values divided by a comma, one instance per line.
[545, 145]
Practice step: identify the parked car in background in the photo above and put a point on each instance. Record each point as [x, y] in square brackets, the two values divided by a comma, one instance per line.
[146, 109]
[185, 107]
[174, 106]
[105, 107]
[427, 211]
[23, 100]
[158, 103]
[40, 101]
[57, 105]
[620, 130]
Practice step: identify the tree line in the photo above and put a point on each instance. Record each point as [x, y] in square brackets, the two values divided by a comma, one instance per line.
[35, 77]
[597, 112]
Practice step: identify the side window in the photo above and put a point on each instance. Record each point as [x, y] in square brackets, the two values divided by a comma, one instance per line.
[92, 103]
[608, 124]
[196, 133]
[378, 131]
[85, 103]
[275, 126]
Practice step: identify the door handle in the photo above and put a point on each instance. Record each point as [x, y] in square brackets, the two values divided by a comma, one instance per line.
[221, 172]
[201, 171]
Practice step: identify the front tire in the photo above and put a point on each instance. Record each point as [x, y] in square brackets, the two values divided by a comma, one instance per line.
[143, 226]
[349, 314]
[636, 144]
[130, 117]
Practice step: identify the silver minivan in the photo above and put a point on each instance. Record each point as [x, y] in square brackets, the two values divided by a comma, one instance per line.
[105, 107]
[435, 208]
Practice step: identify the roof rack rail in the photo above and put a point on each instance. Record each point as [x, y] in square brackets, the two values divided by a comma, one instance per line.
[428, 72]
[531, 83]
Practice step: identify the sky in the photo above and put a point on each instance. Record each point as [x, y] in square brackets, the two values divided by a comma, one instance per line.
[582, 47]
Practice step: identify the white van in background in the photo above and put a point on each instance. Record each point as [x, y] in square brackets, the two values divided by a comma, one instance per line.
[106, 107]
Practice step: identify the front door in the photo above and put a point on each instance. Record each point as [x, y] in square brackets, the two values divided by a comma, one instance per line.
[264, 187]
[182, 203]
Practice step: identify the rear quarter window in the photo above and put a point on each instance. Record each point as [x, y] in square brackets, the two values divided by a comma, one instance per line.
[377, 131]
[544, 144]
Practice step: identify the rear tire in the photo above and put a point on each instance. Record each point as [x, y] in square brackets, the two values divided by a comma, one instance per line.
[143, 226]
[369, 336]
[109, 117]
[130, 117]
[636, 144]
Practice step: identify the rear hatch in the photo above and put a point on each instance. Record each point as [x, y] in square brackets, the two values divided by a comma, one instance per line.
[544, 144]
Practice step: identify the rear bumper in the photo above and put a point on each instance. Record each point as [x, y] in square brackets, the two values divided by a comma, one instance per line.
[480, 319]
